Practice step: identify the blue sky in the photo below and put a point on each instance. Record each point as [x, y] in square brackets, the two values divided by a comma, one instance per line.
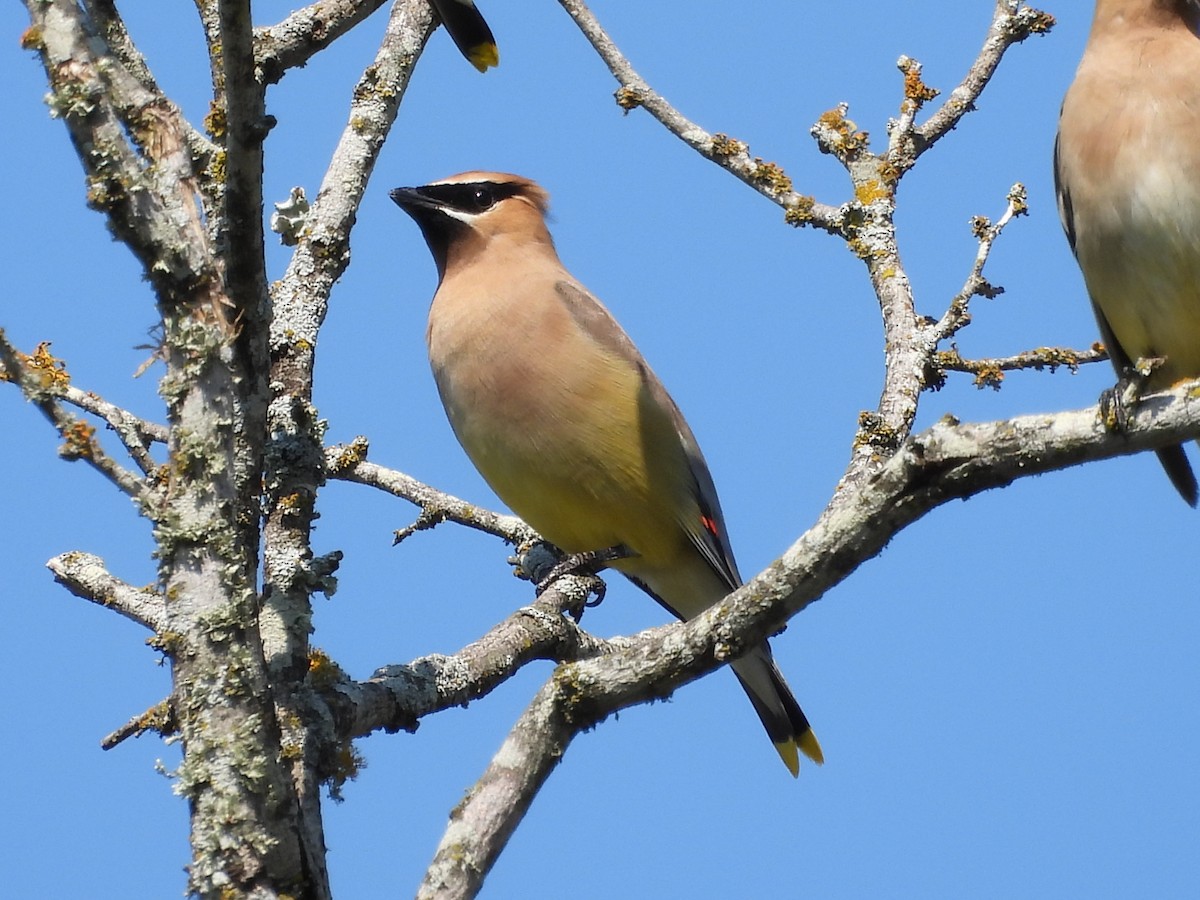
[1006, 697]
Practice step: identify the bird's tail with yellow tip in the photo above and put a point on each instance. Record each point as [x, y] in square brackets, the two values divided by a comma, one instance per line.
[469, 31]
[777, 707]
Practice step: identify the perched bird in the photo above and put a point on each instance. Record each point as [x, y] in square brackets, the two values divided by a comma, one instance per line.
[1127, 167]
[469, 31]
[565, 420]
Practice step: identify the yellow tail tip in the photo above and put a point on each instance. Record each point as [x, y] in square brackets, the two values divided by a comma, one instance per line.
[791, 759]
[811, 747]
[805, 743]
[484, 56]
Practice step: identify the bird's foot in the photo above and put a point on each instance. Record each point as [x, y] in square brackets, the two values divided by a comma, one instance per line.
[543, 564]
[1118, 402]
[587, 563]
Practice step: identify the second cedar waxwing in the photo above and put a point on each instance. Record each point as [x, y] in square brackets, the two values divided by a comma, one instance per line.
[565, 420]
[469, 31]
[1127, 167]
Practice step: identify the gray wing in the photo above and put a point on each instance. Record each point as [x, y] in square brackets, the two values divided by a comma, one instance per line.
[708, 532]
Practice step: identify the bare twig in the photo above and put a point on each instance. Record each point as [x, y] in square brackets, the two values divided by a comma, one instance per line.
[957, 316]
[85, 575]
[160, 719]
[43, 378]
[990, 372]
[348, 463]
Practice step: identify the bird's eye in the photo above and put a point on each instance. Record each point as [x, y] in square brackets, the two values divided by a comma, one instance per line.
[482, 198]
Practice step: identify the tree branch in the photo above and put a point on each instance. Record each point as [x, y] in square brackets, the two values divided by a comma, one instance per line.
[307, 31]
[85, 575]
[1012, 22]
[110, 24]
[947, 462]
[137, 435]
[348, 462]
[481, 825]
[133, 146]
[42, 378]
[396, 697]
[160, 718]
[957, 316]
[136, 153]
[295, 460]
[765, 177]
[990, 372]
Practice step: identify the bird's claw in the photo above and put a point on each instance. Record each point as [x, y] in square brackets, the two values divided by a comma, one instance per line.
[1118, 402]
[587, 563]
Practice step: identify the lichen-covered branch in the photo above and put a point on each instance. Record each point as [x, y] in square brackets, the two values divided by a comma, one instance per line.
[732, 155]
[43, 379]
[1012, 22]
[481, 825]
[294, 462]
[111, 25]
[990, 372]
[133, 146]
[85, 575]
[305, 32]
[866, 222]
[238, 232]
[396, 697]
[987, 233]
[295, 458]
[949, 461]
[160, 719]
[137, 435]
[136, 153]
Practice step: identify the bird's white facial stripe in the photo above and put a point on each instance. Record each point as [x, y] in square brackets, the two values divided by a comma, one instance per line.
[461, 215]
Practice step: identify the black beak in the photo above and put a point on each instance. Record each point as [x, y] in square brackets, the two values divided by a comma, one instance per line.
[412, 199]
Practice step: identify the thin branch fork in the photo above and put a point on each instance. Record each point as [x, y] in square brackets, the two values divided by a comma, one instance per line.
[43, 379]
[1013, 21]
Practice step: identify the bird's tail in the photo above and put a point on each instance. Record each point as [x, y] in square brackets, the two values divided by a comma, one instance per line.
[1179, 470]
[469, 31]
[781, 715]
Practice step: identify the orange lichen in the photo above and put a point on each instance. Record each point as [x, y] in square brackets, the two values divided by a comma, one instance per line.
[49, 370]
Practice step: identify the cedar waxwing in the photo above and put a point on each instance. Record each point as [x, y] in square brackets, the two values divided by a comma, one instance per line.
[1127, 167]
[565, 420]
[469, 31]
